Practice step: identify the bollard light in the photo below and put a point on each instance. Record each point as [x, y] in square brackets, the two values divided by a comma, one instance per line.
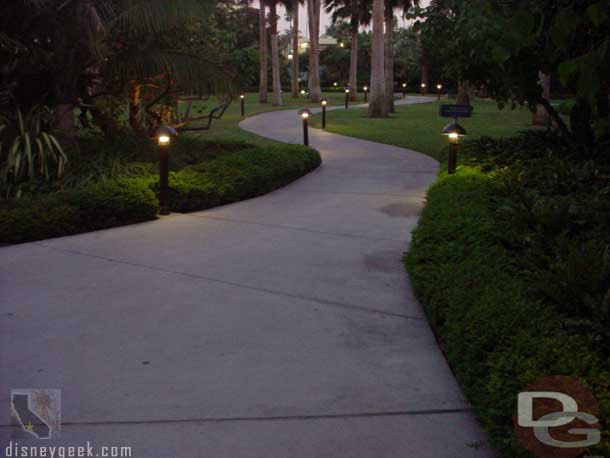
[346, 98]
[305, 114]
[164, 136]
[439, 87]
[453, 131]
[242, 101]
[324, 102]
[366, 93]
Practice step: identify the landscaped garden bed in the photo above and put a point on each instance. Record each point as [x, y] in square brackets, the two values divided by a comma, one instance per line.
[119, 188]
[511, 261]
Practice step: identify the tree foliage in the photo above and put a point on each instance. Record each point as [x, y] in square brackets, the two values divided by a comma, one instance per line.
[504, 44]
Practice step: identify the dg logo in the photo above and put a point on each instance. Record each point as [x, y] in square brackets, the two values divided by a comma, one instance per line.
[557, 417]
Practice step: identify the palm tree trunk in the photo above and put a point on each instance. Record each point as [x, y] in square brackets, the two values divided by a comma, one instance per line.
[262, 50]
[313, 15]
[540, 117]
[377, 106]
[463, 95]
[295, 50]
[389, 59]
[135, 105]
[353, 64]
[275, 56]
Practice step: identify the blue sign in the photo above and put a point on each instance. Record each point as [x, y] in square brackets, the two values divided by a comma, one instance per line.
[455, 111]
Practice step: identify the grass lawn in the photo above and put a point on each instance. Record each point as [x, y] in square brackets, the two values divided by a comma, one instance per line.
[418, 127]
[226, 128]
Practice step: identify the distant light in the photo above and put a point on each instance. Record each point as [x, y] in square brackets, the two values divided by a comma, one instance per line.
[347, 91]
[302, 91]
[404, 84]
[290, 56]
[439, 86]
[164, 140]
[241, 96]
[366, 88]
[335, 83]
[323, 102]
[423, 84]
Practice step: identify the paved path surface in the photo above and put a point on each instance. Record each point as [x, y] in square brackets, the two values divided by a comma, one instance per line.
[283, 326]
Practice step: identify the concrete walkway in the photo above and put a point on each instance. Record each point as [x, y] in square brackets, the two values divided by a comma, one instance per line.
[279, 327]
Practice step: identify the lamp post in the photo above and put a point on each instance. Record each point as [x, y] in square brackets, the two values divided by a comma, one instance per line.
[242, 101]
[423, 88]
[404, 90]
[454, 131]
[305, 113]
[323, 102]
[335, 84]
[366, 93]
[438, 91]
[303, 92]
[346, 98]
[164, 135]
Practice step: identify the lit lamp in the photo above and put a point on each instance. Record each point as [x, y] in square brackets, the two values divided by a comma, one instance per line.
[404, 90]
[423, 88]
[324, 102]
[335, 84]
[346, 98]
[303, 92]
[453, 131]
[305, 114]
[290, 56]
[164, 136]
[438, 90]
[366, 92]
[242, 101]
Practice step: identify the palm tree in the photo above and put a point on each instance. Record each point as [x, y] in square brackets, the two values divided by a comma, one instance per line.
[358, 13]
[292, 8]
[275, 55]
[313, 19]
[262, 52]
[540, 117]
[390, 6]
[377, 106]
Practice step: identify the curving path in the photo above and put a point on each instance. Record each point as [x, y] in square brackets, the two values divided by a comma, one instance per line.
[283, 326]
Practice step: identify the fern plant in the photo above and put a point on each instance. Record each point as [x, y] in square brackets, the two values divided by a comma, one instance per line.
[28, 151]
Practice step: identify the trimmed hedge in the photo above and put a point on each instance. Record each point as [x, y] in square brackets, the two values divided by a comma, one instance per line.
[238, 176]
[106, 204]
[497, 335]
[235, 175]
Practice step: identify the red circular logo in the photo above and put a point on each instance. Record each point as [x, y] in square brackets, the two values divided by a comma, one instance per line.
[557, 417]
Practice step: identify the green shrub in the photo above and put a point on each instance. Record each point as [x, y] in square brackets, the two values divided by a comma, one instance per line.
[106, 204]
[232, 172]
[501, 322]
[240, 175]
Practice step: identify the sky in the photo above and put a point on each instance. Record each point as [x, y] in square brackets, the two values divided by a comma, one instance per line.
[283, 24]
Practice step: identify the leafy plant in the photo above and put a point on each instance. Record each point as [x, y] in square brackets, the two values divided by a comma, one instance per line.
[28, 151]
